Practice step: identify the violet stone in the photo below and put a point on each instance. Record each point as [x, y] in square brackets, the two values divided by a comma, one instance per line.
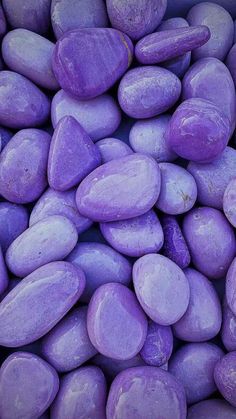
[228, 330]
[112, 149]
[213, 408]
[225, 377]
[230, 62]
[174, 247]
[3, 274]
[112, 367]
[14, 219]
[229, 202]
[158, 346]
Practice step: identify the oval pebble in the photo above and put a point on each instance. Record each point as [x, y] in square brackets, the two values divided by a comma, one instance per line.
[82, 394]
[146, 392]
[58, 284]
[33, 383]
[88, 61]
[14, 219]
[229, 202]
[148, 91]
[158, 346]
[202, 320]
[112, 149]
[230, 287]
[136, 236]
[228, 330]
[67, 15]
[53, 238]
[214, 408]
[101, 264]
[161, 288]
[202, 228]
[23, 166]
[112, 367]
[99, 117]
[128, 320]
[174, 247]
[225, 377]
[120, 189]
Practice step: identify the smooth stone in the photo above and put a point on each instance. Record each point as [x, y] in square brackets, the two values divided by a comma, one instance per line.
[202, 229]
[167, 44]
[158, 346]
[101, 265]
[99, 117]
[14, 219]
[198, 82]
[175, 246]
[202, 320]
[212, 178]
[198, 130]
[3, 22]
[67, 345]
[225, 377]
[28, 14]
[5, 136]
[161, 288]
[148, 137]
[51, 239]
[135, 237]
[228, 330]
[181, 7]
[229, 202]
[148, 91]
[72, 155]
[113, 307]
[82, 394]
[230, 287]
[23, 319]
[112, 367]
[88, 61]
[72, 14]
[193, 366]
[231, 62]
[213, 408]
[112, 149]
[120, 189]
[136, 18]
[28, 385]
[178, 189]
[23, 166]
[16, 90]
[221, 27]
[146, 392]
[4, 281]
[53, 202]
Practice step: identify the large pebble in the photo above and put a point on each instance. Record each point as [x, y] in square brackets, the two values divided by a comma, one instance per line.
[158, 346]
[99, 117]
[113, 307]
[88, 61]
[112, 149]
[101, 264]
[161, 288]
[213, 408]
[58, 285]
[174, 247]
[52, 238]
[228, 330]
[14, 219]
[28, 385]
[72, 14]
[120, 189]
[148, 91]
[146, 392]
[23, 166]
[136, 236]
[225, 377]
[136, 18]
[82, 394]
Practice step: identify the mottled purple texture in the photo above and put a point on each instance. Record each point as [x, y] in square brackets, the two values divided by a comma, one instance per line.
[5, 136]
[230, 287]
[174, 247]
[120, 189]
[158, 346]
[225, 377]
[148, 91]
[112, 149]
[3, 23]
[57, 285]
[14, 219]
[229, 202]
[231, 62]
[211, 241]
[213, 408]
[3, 273]
[161, 288]
[193, 366]
[127, 320]
[228, 330]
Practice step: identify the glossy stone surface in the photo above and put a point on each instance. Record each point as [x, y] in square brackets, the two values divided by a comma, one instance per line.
[198, 130]
[225, 377]
[101, 264]
[228, 330]
[202, 320]
[14, 220]
[82, 394]
[146, 392]
[158, 345]
[230, 62]
[72, 14]
[88, 61]
[99, 117]
[229, 202]
[114, 307]
[23, 166]
[112, 367]
[193, 366]
[161, 288]
[202, 228]
[112, 149]
[136, 236]
[213, 408]
[72, 155]
[174, 247]
[33, 383]
[148, 91]
[120, 189]
[52, 238]
[58, 284]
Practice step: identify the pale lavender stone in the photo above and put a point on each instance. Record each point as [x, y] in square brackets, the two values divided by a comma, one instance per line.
[225, 377]
[14, 219]
[112, 149]
[158, 346]
[174, 247]
[213, 408]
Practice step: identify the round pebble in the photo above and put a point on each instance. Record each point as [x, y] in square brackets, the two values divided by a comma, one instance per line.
[112, 149]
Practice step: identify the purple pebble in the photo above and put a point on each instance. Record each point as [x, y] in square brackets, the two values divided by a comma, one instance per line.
[193, 366]
[3, 274]
[14, 219]
[230, 62]
[229, 202]
[213, 408]
[230, 287]
[112, 367]
[5, 136]
[112, 149]
[225, 377]
[174, 247]
[228, 330]
[3, 23]
[158, 346]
